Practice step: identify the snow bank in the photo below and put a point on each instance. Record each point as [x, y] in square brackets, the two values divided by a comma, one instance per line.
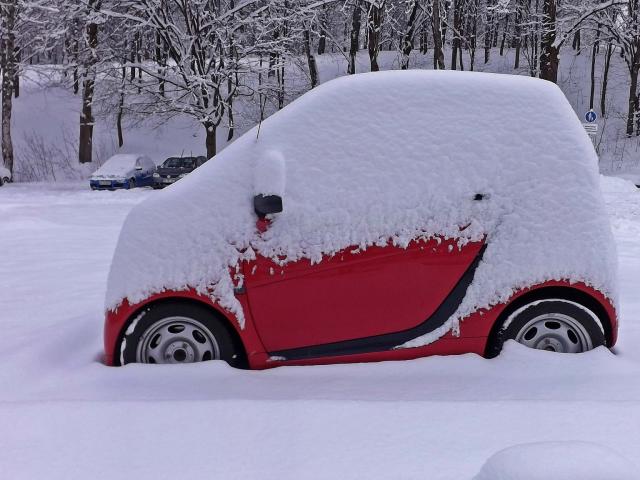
[386, 158]
[557, 461]
[617, 184]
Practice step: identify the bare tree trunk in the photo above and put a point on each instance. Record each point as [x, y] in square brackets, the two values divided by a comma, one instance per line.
[210, 141]
[592, 91]
[311, 60]
[374, 26]
[322, 40]
[132, 58]
[121, 108]
[518, 35]
[436, 27]
[424, 39]
[407, 39]
[488, 32]
[605, 79]
[457, 25]
[355, 38]
[8, 11]
[549, 59]
[474, 33]
[504, 34]
[576, 41]
[161, 61]
[633, 96]
[75, 32]
[85, 147]
[280, 77]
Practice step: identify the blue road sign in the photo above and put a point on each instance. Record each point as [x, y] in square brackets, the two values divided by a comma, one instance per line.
[591, 116]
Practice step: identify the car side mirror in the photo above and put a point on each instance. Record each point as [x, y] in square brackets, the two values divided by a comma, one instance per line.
[263, 205]
[138, 167]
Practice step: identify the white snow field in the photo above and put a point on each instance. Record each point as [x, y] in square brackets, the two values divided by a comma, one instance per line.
[64, 415]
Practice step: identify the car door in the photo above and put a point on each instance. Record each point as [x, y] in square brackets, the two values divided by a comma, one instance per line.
[356, 294]
[143, 173]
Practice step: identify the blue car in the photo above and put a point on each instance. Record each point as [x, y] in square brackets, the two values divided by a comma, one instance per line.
[128, 170]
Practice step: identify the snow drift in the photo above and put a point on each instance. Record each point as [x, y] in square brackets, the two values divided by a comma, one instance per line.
[380, 158]
[557, 461]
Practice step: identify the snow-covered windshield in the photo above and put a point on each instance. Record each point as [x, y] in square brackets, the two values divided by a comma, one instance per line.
[183, 162]
[118, 165]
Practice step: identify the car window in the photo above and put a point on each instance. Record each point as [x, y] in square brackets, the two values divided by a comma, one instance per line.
[172, 162]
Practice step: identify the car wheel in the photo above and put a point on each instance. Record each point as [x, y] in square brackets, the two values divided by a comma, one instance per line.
[132, 184]
[179, 333]
[5, 180]
[554, 325]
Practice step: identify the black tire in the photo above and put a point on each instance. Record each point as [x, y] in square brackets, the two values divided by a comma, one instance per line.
[526, 325]
[5, 180]
[230, 349]
[132, 184]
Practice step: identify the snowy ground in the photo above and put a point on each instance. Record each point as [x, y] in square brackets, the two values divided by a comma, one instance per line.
[64, 415]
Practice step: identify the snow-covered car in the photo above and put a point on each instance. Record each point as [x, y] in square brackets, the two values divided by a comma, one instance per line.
[5, 175]
[174, 168]
[124, 170]
[382, 216]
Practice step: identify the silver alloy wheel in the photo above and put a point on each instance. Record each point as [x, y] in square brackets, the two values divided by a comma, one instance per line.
[555, 332]
[177, 340]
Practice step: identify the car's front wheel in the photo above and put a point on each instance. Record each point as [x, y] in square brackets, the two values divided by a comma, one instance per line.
[177, 332]
[555, 325]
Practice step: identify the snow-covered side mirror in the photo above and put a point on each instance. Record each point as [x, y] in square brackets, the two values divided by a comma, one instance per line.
[268, 183]
[138, 167]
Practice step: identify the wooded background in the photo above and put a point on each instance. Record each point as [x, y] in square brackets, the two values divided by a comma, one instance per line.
[209, 59]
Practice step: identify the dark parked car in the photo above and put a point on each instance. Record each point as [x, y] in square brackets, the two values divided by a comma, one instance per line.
[174, 168]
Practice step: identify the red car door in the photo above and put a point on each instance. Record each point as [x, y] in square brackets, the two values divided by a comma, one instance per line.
[353, 294]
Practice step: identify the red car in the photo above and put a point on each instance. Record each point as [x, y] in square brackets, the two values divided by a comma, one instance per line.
[319, 261]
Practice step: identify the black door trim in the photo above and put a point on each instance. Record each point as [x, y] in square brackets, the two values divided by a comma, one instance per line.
[388, 341]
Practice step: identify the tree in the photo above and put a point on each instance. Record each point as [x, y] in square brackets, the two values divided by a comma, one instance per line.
[8, 12]
[211, 46]
[89, 63]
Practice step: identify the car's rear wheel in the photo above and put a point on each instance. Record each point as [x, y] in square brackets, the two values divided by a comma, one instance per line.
[554, 325]
[179, 333]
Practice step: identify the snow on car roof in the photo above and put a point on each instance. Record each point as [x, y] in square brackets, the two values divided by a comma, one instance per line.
[120, 163]
[388, 157]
